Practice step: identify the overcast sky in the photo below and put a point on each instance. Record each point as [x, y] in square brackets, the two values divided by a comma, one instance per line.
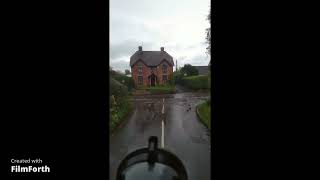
[177, 25]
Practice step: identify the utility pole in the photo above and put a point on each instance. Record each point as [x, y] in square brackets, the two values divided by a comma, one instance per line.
[176, 65]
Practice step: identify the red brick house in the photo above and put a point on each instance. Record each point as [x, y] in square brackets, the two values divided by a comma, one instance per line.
[150, 68]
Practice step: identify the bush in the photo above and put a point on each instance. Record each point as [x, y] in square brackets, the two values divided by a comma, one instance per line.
[177, 76]
[118, 111]
[118, 90]
[171, 80]
[120, 104]
[123, 79]
[189, 70]
[196, 82]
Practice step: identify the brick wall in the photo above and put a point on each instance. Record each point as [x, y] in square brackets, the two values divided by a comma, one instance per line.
[135, 74]
[160, 73]
[146, 71]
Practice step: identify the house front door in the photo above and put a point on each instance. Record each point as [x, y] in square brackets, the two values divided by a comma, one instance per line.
[153, 80]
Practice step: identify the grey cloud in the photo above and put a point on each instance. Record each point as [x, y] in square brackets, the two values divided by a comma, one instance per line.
[156, 24]
[120, 65]
[199, 60]
[124, 28]
[126, 48]
[146, 8]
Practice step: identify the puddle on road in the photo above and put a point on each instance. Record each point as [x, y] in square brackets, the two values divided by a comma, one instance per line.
[147, 113]
[200, 140]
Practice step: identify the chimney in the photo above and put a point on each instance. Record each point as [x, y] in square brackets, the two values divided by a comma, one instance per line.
[140, 48]
[162, 48]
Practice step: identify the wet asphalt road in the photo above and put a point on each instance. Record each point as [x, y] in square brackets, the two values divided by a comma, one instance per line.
[184, 135]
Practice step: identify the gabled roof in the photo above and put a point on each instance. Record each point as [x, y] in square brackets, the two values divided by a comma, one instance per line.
[151, 58]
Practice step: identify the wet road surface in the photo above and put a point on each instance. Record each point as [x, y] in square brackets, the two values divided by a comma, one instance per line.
[183, 134]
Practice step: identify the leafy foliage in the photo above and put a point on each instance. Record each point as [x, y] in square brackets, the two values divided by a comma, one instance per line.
[208, 34]
[120, 104]
[177, 76]
[189, 70]
[127, 71]
[195, 82]
[171, 80]
[118, 111]
[117, 89]
[123, 79]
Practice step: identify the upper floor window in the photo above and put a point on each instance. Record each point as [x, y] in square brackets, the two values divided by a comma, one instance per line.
[152, 69]
[164, 68]
[140, 80]
[139, 68]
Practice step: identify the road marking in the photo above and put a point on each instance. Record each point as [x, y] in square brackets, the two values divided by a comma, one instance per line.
[162, 126]
[162, 137]
[163, 106]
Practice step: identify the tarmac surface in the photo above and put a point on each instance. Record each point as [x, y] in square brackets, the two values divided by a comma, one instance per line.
[172, 118]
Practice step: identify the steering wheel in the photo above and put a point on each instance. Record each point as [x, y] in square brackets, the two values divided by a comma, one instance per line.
[151, 163]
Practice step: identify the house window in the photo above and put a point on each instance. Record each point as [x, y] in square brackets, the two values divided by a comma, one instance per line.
[140, 69]
[164, 68]
[152, 69]
[140, 80]
[164, 79]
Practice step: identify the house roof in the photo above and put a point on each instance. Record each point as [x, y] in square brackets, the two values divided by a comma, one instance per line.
[151, 58]
[203, 70]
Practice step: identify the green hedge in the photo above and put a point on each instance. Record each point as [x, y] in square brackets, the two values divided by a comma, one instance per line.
[118, 112]
[177, 76]
[196, 82]
[117, 89]
[161, 89]
[120, 104]
[123, 79]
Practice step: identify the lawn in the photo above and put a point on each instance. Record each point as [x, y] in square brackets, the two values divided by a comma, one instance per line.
[161, 89]
[204, 113]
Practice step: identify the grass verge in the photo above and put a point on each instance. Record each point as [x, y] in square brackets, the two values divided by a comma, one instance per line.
[204, 113]
[161, 89]
[119, 113]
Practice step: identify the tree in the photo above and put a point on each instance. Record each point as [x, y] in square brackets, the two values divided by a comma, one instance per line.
[208, 34]
[177, 76]
[127, 71]
[208, 40]
[189, 70]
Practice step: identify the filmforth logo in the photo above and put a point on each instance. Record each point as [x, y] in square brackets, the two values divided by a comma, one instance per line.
[18, 168]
